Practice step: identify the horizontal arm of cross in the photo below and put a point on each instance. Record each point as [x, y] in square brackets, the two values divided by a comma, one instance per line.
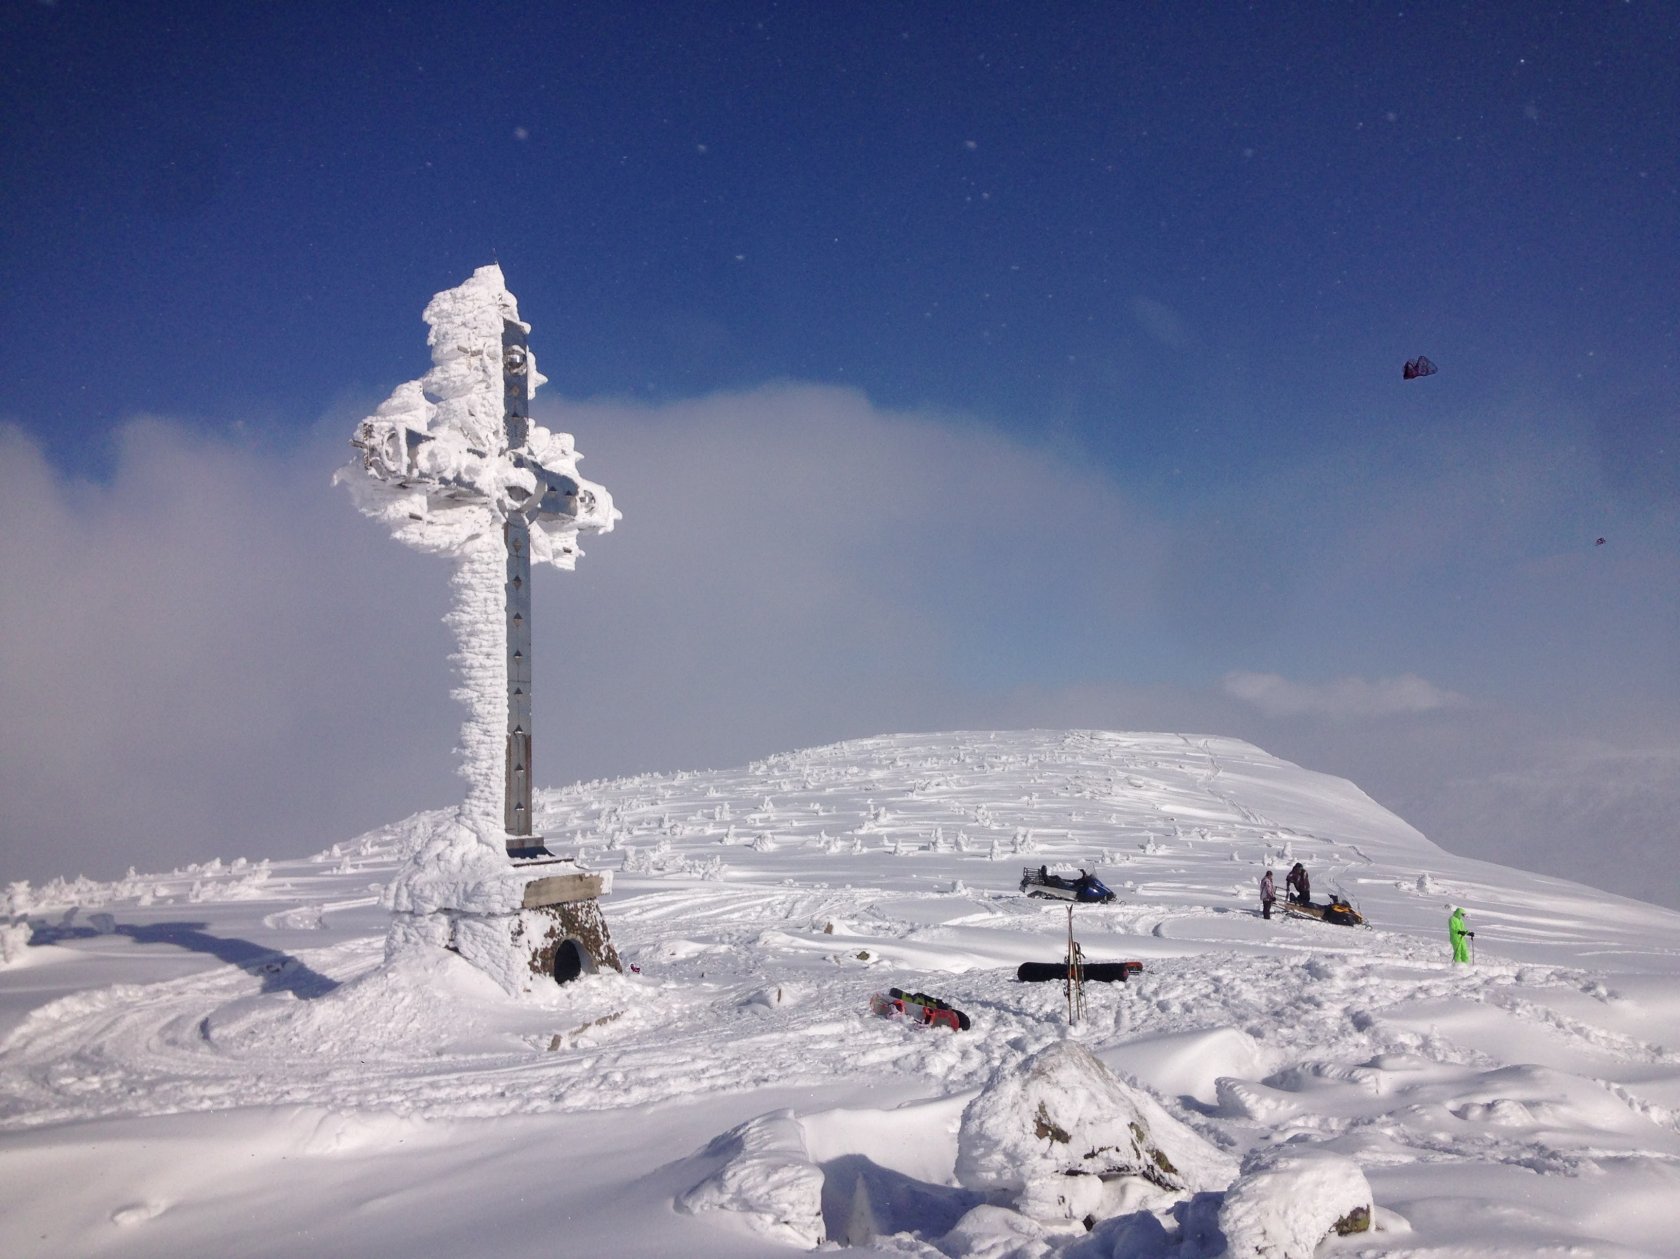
[558, 495]
[391, 453]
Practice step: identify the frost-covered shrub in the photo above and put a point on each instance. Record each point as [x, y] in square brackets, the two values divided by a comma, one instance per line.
[14, 939]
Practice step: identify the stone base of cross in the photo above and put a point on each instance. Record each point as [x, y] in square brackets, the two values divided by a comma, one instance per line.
[537, 926]
[453, 463]
[557, 934]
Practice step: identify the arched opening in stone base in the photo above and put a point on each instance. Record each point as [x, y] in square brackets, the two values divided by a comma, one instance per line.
[571, 959]
[567, 940]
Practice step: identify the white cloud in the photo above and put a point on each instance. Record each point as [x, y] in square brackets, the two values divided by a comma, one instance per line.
[192, 655]
[1277, 696]
[796, 565]
[212, 654]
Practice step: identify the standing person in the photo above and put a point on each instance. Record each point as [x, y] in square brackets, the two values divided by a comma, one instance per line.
[1300, 886]
[1268, 894]
[1458, 935]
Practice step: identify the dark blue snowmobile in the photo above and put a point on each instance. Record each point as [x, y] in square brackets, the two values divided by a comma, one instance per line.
[1087, 889]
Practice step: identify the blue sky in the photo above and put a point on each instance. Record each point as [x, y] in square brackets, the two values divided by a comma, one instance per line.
[1159, 233]
[1156, 267]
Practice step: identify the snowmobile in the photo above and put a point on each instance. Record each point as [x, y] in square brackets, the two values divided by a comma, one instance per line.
[918, 1007]
[1334, 910]
[1086, 888]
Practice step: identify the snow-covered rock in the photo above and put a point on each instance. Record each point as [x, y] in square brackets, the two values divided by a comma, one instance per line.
[1054, 1134]
[766, 1181]
[989, 1232]
[1289, 1198]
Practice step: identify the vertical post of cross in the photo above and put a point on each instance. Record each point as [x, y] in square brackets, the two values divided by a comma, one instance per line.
[522, 842]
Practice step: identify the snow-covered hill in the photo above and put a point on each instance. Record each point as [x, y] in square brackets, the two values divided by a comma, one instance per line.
[218, 1061]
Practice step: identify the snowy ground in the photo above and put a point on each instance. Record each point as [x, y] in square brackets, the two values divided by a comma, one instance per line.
[215, 1060]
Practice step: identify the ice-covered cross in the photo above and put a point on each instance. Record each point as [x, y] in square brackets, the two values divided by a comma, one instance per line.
[454, 464]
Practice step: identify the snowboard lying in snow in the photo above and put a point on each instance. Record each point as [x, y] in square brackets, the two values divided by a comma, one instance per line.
[1086, 888]
[918, 1007]
[1334, 910]
[1093, 972]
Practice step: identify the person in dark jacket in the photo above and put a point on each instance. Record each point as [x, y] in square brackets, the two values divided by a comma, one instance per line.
[1300, 886]
[1268, 894]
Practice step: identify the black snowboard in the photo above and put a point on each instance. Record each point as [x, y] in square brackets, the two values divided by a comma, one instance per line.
[1095, 972]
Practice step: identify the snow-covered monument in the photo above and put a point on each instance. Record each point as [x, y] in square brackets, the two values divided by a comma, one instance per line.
[454, 465]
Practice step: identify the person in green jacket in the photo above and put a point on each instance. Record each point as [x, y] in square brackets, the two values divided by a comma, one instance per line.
[1459, 936]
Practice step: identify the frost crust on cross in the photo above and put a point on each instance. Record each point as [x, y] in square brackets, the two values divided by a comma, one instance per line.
[436, 464]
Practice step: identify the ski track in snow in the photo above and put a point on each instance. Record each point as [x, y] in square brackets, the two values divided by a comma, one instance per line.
[764, 905]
